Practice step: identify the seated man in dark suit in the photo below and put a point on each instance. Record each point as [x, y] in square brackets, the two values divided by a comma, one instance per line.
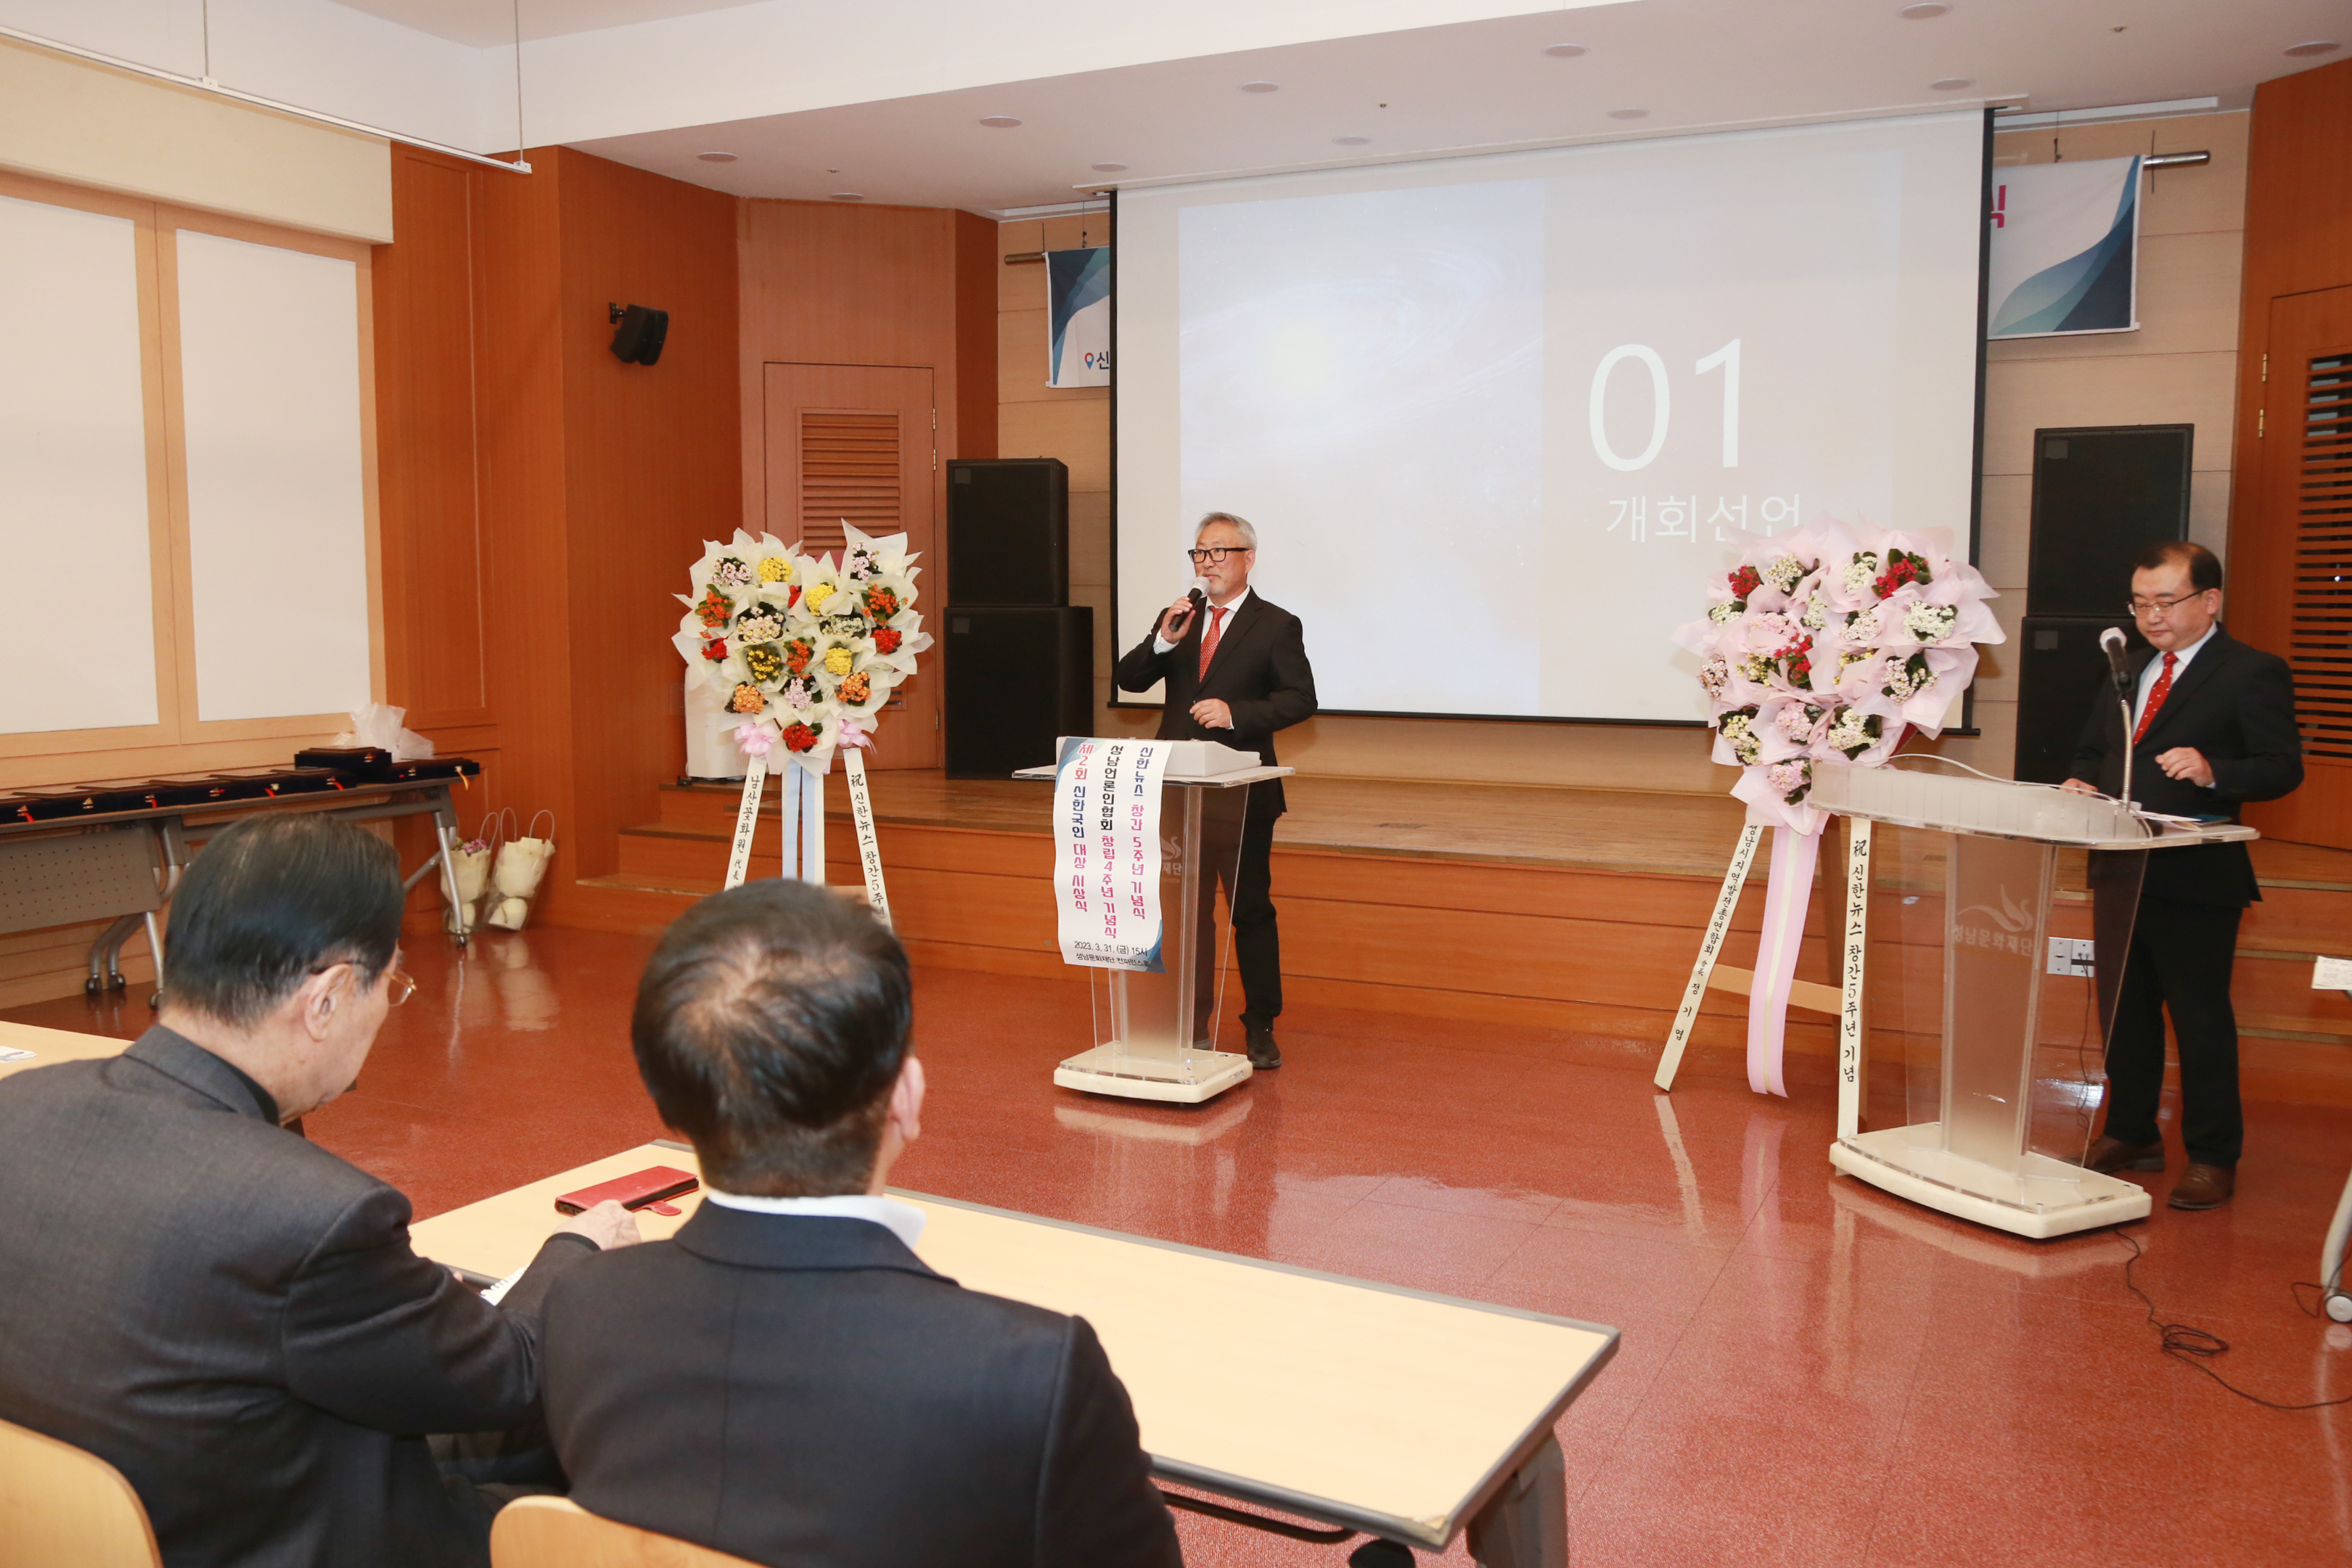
[229, 1315]
[785, 1381]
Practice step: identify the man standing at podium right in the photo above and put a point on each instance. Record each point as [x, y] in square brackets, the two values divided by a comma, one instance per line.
[1236, 672]
[2212, 726]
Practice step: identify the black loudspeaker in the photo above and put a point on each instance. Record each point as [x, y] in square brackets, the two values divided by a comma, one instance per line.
[2061, 673]
[2100, 496]
[1018, 679]
[1008, 531]
[638, 333]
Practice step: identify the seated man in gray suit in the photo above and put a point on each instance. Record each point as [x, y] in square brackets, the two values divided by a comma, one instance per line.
[229, 1315]
[785, 1381]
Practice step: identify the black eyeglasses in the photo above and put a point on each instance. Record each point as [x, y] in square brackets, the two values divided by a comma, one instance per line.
[1216, 553]
[2150, 606]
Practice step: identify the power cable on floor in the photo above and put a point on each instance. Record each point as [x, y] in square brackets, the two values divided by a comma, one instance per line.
[2195, 1346]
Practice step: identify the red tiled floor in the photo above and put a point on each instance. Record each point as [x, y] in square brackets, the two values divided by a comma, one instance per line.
[1813, 1372]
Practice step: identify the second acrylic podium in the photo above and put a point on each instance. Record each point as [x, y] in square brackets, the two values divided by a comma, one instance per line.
[1981, 990]
[1155, 1035]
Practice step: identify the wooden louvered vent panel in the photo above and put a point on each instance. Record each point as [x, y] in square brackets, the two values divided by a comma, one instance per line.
[2320, 641]
[849, 469]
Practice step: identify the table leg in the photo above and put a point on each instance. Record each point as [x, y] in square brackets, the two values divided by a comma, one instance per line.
[1525, 1525]
[444, 834]
[105, 962]
[155, 951]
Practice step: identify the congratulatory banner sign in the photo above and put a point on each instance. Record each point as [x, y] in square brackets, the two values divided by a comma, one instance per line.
[1107, 852]
[2066, 249]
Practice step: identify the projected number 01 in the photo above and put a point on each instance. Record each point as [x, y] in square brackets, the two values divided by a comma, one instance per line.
[1726, 358]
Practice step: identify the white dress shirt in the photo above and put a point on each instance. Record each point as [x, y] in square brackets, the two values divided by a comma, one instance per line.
[1162, 646]
[903, 1220]
[2155, 671]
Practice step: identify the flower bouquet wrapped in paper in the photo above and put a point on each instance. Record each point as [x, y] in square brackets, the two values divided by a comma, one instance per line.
[515, 875]
[469, 871]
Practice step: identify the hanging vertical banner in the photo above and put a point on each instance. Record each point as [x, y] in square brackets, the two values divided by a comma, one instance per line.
[2065, 256]
[1077, 297]
[1106, 851]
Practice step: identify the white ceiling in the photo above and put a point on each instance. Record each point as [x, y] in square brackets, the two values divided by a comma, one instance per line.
[1690, 63]
[484, 24]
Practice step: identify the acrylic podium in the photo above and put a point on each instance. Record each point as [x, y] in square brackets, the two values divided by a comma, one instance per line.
[2001, 1029]
[1156, 1034]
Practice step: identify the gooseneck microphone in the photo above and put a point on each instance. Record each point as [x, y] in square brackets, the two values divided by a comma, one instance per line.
[2111, 641]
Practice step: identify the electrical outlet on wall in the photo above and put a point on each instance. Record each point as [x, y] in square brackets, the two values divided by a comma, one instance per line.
[2072, 956]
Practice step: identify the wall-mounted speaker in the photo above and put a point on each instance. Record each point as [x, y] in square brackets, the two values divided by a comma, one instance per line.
[638, 333]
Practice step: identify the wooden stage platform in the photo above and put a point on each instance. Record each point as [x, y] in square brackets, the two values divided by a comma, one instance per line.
[1575, 909]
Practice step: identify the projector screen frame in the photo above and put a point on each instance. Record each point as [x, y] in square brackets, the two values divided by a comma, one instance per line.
[1965, 729]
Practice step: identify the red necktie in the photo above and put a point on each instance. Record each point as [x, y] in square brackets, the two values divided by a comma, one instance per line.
[1216, 624]
[2156, 695]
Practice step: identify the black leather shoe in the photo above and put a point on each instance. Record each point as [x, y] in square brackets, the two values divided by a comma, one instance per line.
[2107, 1155]
[1264, 1054]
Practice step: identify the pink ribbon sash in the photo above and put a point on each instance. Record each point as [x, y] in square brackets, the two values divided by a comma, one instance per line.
[1786, 899]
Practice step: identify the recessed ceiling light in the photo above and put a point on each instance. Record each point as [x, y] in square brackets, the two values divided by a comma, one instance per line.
[1951, 84]
[849, 195]
[2317, 46]
[1629, 114]
[1261, 87]
[1109, 168]
[1351, 140]
[1565, 51]
[1923, 11]
[716, 157]
[998, 122]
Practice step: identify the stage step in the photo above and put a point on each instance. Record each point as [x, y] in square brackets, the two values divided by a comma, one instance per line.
[1576, 944]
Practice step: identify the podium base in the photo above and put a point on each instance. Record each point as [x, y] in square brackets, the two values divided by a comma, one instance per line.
[1108, 1070]
[2044, 1197]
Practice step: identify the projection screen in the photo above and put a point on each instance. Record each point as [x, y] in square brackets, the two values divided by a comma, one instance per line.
[1495, 417]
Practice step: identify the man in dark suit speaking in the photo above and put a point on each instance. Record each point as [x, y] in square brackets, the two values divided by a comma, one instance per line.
[229, 1315]
[1236, 671]
[784, 1380]
[2213, 725]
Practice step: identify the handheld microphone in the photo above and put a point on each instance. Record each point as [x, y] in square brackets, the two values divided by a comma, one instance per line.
[1200, 594]
[2111, 641]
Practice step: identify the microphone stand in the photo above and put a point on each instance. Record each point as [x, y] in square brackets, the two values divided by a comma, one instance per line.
[2123, 703]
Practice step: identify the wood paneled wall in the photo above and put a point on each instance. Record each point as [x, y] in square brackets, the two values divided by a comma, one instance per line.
[540, 495]
[2181, 366]
[650, 471]
[838, 283]
[2298, 241]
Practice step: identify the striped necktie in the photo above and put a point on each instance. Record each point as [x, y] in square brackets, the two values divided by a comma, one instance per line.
[1209, 639]
[2156, 695]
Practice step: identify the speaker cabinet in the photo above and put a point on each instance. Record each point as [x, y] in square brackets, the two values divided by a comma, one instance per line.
[2061, 673]
[1018, 679]
[2101, 495]
[1009, 532]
